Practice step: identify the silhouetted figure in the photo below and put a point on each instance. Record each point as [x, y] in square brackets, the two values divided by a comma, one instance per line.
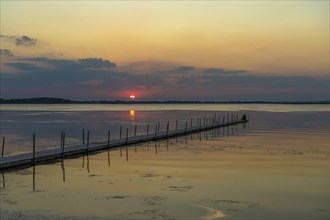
[244, 117]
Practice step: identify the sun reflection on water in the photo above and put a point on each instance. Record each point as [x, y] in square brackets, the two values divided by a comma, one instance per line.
[132, 114]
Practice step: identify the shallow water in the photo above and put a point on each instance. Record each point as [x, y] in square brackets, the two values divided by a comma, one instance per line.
[19, 122]
[275, 167]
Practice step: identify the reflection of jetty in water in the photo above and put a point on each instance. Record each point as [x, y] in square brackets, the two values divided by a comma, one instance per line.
[208, 135]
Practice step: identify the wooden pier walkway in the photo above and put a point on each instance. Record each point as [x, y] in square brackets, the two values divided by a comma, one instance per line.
[26, 160]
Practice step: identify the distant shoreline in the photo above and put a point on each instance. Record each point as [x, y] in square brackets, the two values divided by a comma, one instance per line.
[46, 100]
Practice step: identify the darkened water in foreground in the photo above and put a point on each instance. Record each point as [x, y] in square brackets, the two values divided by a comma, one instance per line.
[277, 167]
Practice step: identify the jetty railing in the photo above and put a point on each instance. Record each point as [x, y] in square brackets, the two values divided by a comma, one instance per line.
[54, 155]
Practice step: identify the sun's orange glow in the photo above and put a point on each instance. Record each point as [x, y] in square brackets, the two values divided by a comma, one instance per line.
[132, 97]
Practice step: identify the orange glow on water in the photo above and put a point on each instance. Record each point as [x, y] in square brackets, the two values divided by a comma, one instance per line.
[132, 114]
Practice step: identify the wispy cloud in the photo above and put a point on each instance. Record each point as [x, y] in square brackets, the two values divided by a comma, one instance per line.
[24, 40]
[184, 68]
[6, 53]
[222, 71]
[96, 63]
[84, 63]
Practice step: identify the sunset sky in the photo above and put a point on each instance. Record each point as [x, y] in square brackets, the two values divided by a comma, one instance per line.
[165, 50]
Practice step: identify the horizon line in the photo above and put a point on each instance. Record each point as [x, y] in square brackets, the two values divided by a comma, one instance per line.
[50, 100]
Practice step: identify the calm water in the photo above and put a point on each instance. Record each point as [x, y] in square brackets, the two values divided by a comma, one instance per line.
[275, 167]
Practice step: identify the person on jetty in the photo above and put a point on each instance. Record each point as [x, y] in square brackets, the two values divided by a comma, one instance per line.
[244, 117]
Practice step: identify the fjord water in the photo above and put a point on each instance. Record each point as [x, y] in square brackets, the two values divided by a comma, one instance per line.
[274, 167]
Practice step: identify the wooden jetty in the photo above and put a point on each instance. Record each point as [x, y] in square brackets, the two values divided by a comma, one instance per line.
[26, 160]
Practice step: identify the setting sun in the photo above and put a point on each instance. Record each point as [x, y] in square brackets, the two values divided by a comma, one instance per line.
[132, 97]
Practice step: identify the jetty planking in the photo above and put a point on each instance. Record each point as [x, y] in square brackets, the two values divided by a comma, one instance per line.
[26, 160]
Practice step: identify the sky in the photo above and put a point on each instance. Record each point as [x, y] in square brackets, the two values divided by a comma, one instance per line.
[165, 50]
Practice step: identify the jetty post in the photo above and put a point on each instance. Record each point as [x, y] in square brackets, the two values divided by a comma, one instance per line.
[63, 170]
[126, 144]
[126, 135]
[185, 137]
[109, 147]
[88, 151]
[108, 138]
[63, 143]
[156, 147]
[126, 153]
[34, 178]
[168, 126]
[83, 135]
[61, 139]
[88, 163]
[120, 131]
[108, 157]
[87, 142]
[135, 130]
[148, 128]
[155, 131]
[83, 164]
[34, 147]
[3, 147]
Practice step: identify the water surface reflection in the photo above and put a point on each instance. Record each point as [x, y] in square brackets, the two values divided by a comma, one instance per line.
[278, 167]
[206, 176]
